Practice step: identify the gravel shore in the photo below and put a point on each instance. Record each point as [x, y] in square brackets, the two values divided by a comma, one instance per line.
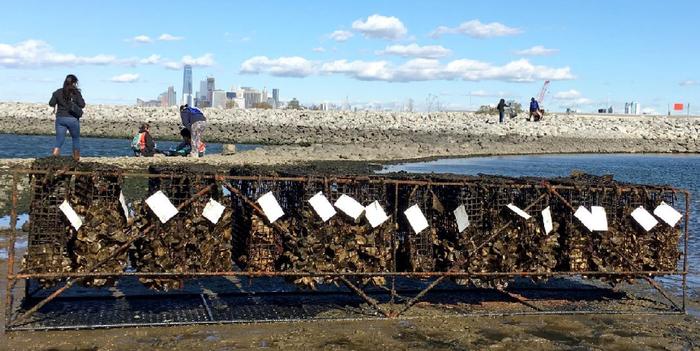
[460, 131]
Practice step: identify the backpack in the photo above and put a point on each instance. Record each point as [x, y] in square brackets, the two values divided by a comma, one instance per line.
[138, 143]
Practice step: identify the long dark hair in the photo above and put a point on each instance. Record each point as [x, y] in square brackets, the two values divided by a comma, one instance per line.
[70, 86]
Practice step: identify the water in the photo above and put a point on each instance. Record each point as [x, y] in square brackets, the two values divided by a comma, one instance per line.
[31, 146]
[680, 171]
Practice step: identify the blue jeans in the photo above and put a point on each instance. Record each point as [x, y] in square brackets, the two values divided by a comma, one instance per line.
[500, 116]
[70, 124]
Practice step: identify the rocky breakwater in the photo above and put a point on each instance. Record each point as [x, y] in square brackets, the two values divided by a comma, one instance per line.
[556, 133]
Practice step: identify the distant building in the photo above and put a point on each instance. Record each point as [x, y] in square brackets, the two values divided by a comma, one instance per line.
[218, 99]
[632, 108]
[149, 103]
[275, 98]
[187, 97]
[210, 88]
[252, 96]
[230, 95]
[202, 94]
[240, 102]
[172, 96]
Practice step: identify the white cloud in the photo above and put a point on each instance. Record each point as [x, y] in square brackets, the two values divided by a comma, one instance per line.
[125, 78]
[143, 39]
[417, 69]
[571, 98]
[150, 60]
[340, 35]
[688, 82]
[414, 50]
[169, 37]
[476, 29]
[568, 95]
[378, 26]
[294, 66]
[37, 53]
[537, 50]
[318, 49]
[206, 60]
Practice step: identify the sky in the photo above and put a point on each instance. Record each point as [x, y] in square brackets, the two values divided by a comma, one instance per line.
[460, 54]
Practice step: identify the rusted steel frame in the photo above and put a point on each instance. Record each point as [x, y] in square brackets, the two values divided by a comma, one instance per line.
[364, 296]
[394, 244]
[651, 282]
[685, 248]
[118, 251]
[420, 295]
[9, 296]
[250, 203]
[518, 298]
[335, 274]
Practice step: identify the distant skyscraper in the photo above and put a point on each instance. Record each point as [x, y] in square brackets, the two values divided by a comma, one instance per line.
[172, 96]
[187, 85]
[276, 98]
[210, 88]
[218, 99]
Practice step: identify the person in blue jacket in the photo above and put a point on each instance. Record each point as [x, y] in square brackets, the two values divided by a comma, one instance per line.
[193, 119]
[535, 110]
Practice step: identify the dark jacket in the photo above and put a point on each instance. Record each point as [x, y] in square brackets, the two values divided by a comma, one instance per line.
[534, 106]
[191, 115]
[501, 106]
[57, 99]
[150, 148]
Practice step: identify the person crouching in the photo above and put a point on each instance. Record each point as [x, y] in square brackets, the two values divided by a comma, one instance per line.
[142, 144]
[193, 119]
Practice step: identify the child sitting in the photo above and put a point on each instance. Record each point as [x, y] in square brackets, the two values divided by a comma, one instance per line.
[142, 144]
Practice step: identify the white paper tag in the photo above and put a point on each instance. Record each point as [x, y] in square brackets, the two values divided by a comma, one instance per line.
[349, 206]
[644, 218]
[375, 214]
[518, 211]
[416, 219]
[122, 201]
[667, 214]
[462, 218]
[322, 206]
[547, 220]
[213, 211]
[585, 217]
[271, 207]
[600, 220]
[161, 206]
[72, 216]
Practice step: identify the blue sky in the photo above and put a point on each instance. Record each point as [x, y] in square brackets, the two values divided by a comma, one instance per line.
[466, 53]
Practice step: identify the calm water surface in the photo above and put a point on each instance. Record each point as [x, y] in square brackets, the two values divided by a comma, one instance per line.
[680, 171]
[30, 146]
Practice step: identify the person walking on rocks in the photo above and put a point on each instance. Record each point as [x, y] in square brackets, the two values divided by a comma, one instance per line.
[193, 119]
[68, 105]
[501, 110]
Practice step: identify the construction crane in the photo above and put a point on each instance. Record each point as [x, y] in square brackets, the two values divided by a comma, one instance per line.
[543, 91]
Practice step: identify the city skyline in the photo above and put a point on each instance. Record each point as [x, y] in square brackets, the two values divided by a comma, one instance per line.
[465, 54]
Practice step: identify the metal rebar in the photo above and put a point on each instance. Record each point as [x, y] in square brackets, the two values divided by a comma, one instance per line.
[685, 250]
[9, 296]
[363, 295]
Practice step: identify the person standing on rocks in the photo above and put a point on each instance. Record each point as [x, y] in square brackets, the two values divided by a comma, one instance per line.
[193, 119]
[501, 110]
[68, 105]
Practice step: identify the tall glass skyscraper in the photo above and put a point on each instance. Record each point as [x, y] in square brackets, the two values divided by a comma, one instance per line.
[187, 86]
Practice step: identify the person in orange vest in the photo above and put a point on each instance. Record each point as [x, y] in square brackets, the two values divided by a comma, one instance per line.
[142, 144]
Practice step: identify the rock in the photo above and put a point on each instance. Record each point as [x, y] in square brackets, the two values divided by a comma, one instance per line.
[228, 149]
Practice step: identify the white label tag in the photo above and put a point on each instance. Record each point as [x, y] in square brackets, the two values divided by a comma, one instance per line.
[72, 216]
[644, 218]
[213, 211]
[161, 206]
[547, 220]
[122, 201]
[667, 214]
[518, 211]
[462, 218]
[585, 217]
[322, 206]
[375, 214]
[416, 218]
[271, 207]
[349, 206]
[600, 220]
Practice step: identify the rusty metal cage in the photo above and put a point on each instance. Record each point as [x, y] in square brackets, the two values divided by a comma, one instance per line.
[495, 233]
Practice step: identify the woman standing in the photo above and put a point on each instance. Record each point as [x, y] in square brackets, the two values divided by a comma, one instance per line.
[68, 104]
